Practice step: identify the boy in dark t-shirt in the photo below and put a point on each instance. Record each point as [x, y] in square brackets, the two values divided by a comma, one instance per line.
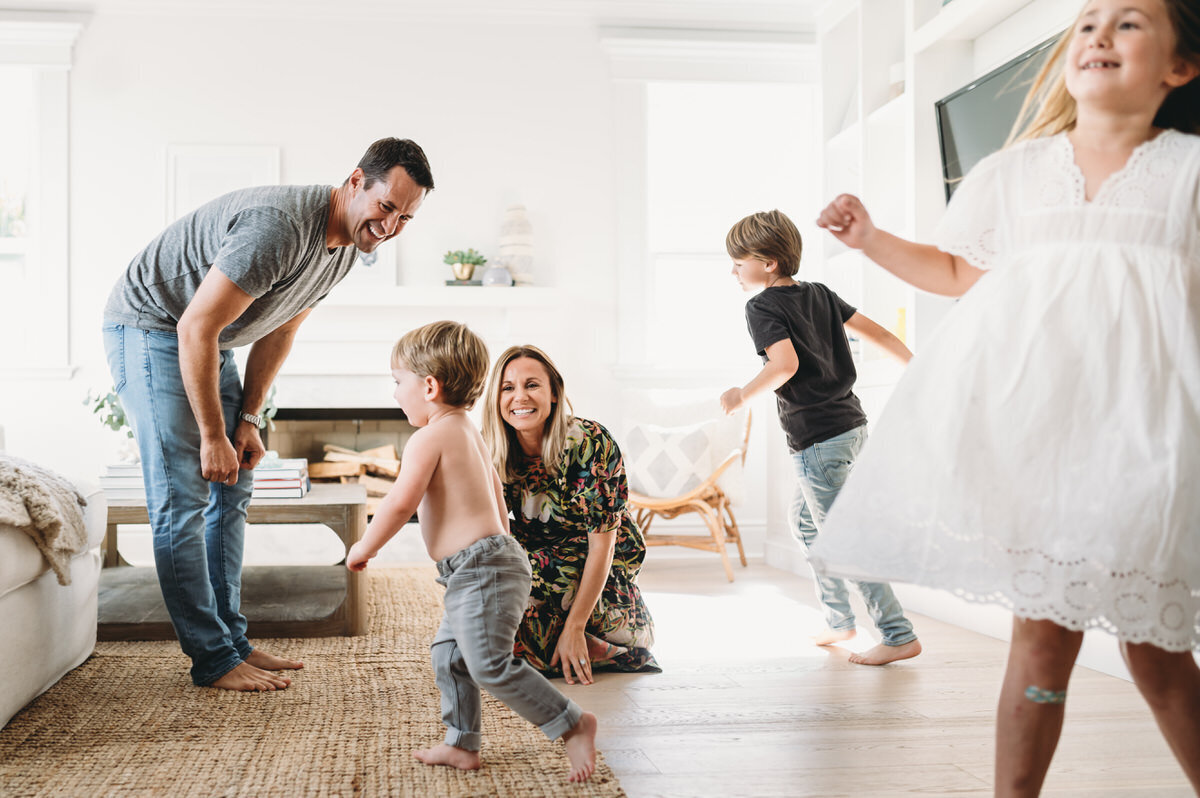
[799, 330]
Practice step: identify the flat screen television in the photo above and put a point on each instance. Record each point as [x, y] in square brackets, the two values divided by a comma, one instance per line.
[975, 120]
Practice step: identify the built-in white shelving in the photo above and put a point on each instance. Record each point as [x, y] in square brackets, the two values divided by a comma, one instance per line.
[960, 20]
[884, 64]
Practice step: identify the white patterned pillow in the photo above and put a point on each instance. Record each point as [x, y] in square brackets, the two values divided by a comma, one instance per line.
[668, 461]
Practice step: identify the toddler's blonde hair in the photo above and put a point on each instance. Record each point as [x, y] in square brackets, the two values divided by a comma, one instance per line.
[450, 353]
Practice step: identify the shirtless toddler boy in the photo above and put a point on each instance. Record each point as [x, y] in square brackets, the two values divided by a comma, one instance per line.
[447, 475]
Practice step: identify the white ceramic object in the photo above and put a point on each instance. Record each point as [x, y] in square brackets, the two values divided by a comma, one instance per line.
[516, 244]
[496, 275]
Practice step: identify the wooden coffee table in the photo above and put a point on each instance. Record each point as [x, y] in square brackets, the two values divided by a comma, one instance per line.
[278, 601]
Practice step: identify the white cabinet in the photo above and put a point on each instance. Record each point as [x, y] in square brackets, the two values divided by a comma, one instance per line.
[864, 123]
[884, 63]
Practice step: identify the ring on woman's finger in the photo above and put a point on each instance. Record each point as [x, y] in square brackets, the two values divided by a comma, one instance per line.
[583, 662]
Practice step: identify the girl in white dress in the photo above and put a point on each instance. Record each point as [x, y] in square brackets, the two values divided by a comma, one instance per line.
[1043, 450]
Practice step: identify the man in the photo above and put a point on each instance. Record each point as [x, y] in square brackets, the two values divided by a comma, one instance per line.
[246, 268]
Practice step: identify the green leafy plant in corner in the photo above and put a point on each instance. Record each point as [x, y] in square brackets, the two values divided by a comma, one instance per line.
[108, 407]
[464, 256]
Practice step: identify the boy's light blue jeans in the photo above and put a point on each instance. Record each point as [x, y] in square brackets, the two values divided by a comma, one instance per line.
[198, 526]
[821, 470]
[487, 588]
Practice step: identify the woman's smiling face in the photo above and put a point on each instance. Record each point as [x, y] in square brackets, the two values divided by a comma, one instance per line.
[526, 397]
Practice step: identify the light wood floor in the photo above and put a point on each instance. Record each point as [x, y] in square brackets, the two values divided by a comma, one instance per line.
[746, 707]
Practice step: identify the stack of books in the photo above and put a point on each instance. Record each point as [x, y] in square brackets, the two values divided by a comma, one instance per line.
[281, 478]
[123, 481]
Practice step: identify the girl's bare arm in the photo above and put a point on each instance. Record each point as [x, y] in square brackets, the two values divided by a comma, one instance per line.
[921, 265]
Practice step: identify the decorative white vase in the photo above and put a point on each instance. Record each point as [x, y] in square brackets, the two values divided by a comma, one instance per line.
[516, 244]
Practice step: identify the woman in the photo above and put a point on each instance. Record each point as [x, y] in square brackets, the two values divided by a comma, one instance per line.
[564, 482]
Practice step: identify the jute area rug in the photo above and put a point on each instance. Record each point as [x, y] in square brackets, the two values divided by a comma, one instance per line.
[129, 722]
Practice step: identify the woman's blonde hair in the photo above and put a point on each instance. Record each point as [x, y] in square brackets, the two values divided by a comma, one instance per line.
[502, 438]
[1049, 108]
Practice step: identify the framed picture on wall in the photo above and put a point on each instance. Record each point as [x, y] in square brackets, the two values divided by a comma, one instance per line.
[197, 173]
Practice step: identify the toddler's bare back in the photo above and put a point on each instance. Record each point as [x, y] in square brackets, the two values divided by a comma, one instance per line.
[464, 501]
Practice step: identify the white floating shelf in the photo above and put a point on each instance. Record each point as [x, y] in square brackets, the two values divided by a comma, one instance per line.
[964, 20]
[445, 296]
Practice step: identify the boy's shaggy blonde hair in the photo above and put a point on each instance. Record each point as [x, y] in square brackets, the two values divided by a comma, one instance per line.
[767, 235]
[450, 353]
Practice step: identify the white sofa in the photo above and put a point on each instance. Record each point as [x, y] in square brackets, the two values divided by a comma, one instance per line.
[47, 629]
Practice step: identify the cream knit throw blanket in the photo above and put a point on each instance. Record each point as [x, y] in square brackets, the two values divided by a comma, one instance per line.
[45, 506]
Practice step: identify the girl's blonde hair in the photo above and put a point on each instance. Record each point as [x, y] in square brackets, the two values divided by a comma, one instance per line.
[502, 438]
[1049, 109]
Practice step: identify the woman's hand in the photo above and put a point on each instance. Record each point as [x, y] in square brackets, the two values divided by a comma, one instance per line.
[572, 652]
[848, 220]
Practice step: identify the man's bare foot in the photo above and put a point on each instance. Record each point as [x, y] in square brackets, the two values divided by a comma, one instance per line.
[882, 655]
[833, 636]
[247, 678]
[269, 662]
[581, 747]
[449, 755]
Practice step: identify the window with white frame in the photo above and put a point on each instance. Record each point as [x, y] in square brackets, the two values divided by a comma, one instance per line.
[709, 126]
[17, 151]
[35, 59]
[716, 152]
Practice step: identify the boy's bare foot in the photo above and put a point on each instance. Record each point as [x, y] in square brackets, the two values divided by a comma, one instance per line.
[882, 655]
[581, 747]
[831, 636]
[247, 678]
[449, 755]
[269, 662]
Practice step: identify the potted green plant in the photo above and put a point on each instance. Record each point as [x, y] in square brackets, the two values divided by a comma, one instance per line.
[112, 415]
[463, 262]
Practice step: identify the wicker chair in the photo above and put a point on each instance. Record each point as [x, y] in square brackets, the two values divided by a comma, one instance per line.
[708, 500]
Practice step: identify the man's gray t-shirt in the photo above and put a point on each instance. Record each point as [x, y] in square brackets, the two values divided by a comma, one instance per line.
[269, 241]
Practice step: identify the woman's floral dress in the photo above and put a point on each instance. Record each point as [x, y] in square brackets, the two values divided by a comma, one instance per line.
[552, 518]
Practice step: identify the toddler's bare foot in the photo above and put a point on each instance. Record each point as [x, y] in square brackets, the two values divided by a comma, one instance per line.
[269, 662]
[247, 678]
[449, 755]
[581, 747]
[882, 655]
[833, 636]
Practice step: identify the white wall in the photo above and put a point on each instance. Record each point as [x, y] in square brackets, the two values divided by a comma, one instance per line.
[506, 113]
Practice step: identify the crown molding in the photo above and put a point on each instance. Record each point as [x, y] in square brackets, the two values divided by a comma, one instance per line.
[39, 38]
[706, 54]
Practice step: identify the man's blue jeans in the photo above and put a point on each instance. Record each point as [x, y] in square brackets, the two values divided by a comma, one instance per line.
[821, 470]
[198, 526]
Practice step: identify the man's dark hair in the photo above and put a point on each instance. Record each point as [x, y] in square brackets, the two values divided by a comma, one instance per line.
[386, 154]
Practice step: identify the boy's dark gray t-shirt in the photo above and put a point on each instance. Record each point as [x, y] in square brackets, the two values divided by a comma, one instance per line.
[818, 402]
[269, 241]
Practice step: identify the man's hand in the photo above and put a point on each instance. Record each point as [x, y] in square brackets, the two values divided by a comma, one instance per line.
[219, 461]
[247, 442]
[731, 400]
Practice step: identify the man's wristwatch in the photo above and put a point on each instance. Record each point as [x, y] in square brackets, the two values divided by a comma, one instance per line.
[253, 419]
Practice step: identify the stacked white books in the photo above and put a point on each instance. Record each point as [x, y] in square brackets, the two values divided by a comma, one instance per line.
[280, 478]
[123, 481]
